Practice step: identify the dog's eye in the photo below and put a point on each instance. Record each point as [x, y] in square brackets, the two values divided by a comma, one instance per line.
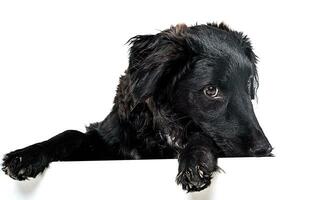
[211, 91]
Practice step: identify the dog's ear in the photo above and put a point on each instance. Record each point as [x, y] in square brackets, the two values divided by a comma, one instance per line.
[248, 50]
[155, 60]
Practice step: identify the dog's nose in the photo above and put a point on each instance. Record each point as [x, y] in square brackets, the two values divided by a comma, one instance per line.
[260, 144]
[262, 150]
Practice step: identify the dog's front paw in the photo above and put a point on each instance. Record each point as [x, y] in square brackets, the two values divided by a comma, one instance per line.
[194, 177]
[24, 163]
[196, 167]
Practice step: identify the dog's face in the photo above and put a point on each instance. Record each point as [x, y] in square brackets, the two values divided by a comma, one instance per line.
[217, 94]
[207, 73]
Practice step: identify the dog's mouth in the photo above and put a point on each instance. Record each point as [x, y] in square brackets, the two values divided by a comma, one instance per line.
[227, 148]
[262, 155]
[269, 154]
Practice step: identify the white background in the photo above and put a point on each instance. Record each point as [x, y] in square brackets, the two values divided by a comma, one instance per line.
[60, 62]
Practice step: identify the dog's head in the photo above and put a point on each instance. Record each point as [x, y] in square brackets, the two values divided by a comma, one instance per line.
[206, 73]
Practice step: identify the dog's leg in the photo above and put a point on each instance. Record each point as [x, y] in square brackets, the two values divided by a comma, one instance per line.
[66, 146]
[196, 164]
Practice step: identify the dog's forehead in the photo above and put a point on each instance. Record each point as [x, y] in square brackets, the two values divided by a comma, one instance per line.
[220, 54]
[212, 40]
[212, 37]
[220, 69]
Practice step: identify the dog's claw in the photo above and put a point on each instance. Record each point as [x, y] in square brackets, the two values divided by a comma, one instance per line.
[5, 169]
[201, 173]
[5, 158]
[21, 172]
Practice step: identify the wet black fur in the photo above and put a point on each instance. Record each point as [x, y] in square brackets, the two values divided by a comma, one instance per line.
[161, 111]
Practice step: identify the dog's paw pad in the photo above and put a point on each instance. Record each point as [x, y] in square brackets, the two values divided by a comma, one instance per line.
[25, 163]
[194, 179]
[22, 172]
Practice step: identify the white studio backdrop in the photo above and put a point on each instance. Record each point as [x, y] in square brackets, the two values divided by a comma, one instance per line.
[60, 62]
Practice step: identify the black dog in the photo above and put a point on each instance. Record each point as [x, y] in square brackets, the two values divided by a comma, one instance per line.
[186, 94]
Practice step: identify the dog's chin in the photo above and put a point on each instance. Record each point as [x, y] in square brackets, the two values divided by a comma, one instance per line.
[264, 155]
[270, 155]
[230, 152]
[245, 154]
